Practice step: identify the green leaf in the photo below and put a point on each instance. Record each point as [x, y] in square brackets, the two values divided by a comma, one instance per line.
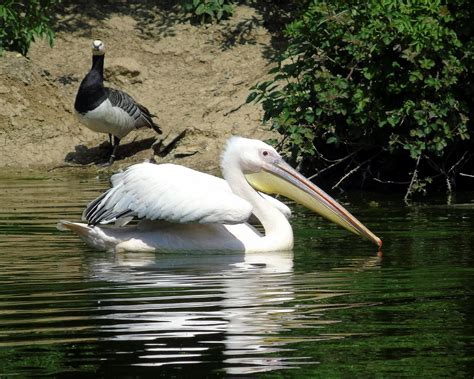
[393, 119]
[251, 97]
[201, 9]
[309, 116]
[368, 74]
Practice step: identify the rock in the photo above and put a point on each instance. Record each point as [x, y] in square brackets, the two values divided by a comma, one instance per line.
[151, 49]
[164, 146]
[236, 81]
[124, 66]
[185, 153]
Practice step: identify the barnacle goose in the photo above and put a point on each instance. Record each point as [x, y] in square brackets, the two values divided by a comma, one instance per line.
[108, 110]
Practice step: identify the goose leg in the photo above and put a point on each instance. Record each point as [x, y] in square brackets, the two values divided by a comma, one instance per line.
[110, 139]
[114, 150]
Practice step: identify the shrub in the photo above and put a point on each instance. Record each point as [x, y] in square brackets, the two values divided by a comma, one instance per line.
[208, 10]
[379, 79]
[22, 21]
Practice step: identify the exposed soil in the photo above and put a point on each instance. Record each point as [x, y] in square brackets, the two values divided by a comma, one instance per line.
[194, 78]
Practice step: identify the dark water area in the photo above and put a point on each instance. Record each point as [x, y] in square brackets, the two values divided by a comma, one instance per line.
[329, 308]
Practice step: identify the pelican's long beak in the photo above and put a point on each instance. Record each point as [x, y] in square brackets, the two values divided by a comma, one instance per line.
[280, 178]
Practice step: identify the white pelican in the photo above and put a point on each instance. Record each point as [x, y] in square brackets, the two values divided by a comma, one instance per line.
[183, 209]
[108, 110]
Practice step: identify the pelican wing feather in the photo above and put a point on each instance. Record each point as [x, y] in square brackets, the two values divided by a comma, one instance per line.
[167, 192]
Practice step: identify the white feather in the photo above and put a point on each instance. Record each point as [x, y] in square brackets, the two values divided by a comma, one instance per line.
[108, 119]
[282, 207]
[170, 192]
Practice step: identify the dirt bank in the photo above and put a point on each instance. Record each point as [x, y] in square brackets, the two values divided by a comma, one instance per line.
[195, 78]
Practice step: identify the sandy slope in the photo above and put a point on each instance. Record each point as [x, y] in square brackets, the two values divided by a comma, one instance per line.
[195, 78]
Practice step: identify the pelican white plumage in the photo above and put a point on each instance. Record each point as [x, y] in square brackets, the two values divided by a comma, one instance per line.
[183, 209]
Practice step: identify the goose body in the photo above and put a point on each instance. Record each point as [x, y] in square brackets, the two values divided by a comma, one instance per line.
[183, 209]
[108, 110]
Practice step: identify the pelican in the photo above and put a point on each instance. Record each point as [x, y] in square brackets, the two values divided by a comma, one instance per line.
[183, 209]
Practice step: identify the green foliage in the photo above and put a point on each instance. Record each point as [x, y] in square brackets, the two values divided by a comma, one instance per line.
[208, 10]
[22, 21]
[391, 75]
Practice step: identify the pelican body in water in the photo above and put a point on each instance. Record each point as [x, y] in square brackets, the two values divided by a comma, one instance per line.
[183, 209]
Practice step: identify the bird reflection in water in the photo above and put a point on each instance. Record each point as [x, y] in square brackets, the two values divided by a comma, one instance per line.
[239, 309]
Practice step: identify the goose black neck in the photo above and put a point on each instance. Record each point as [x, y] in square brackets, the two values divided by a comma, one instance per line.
[98, 65]
[91, 91]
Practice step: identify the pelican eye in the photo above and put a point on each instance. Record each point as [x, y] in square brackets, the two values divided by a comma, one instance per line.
[265, 153]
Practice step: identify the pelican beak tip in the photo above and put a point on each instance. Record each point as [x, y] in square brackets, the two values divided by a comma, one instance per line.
[379, 243]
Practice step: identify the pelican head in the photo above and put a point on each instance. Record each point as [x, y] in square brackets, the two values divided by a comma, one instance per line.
[266, 171]
[98, 47]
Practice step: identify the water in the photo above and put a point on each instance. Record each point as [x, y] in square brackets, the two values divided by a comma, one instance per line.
[330, 308]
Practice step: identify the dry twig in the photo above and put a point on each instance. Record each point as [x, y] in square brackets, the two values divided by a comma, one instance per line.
[389, 181]
[413, 180]
[334, 163]
[354, 170]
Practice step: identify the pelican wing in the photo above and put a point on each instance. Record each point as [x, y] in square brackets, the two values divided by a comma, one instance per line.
[167, 192]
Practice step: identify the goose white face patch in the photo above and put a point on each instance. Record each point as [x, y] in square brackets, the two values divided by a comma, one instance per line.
[98, 47]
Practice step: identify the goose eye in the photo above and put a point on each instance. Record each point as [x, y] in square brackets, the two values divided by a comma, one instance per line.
[265, 153]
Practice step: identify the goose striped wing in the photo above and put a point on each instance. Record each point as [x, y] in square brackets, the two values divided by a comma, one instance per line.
[167, 192]
[138, 112]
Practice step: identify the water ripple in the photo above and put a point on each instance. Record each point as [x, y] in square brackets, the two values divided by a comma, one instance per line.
[65, 308]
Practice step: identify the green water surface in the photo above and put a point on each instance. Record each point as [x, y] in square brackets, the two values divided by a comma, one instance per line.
[330, 308]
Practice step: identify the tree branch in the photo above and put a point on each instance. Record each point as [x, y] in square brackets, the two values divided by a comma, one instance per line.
[334, 163]
[354, 170]
[389, 181]
[458, 162]
[412, 181]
